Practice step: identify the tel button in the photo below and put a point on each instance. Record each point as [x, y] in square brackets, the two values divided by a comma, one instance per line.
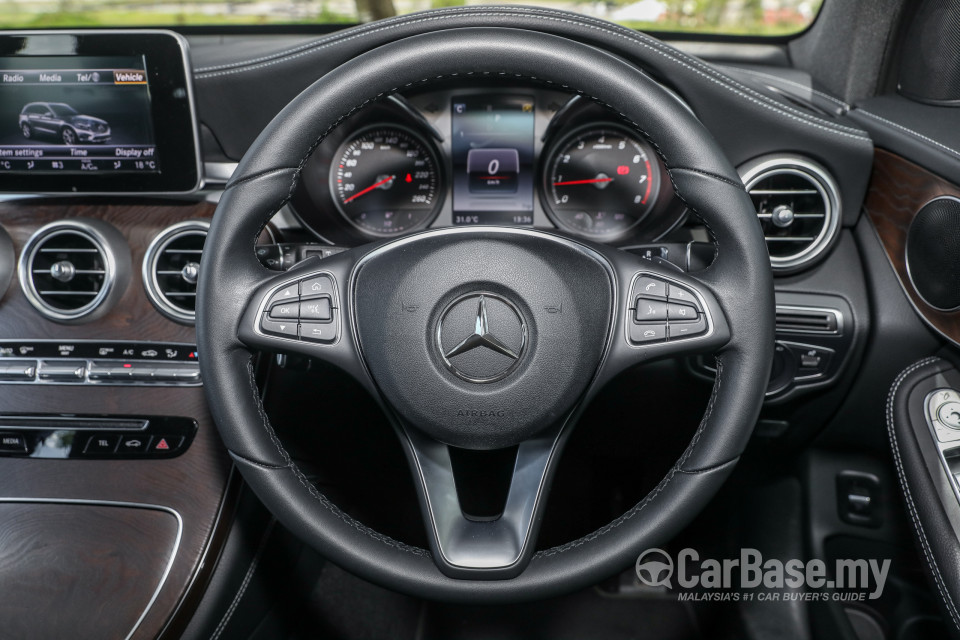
[102, 444]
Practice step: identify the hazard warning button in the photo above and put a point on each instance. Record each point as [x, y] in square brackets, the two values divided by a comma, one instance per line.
[166, 444]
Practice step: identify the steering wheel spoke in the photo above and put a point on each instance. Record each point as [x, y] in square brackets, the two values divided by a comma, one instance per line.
[303, 312]
[662, 313]
[496, 547]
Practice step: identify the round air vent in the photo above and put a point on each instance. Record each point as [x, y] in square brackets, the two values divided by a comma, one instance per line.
[798, 205]
[171, 267]
[69, 270]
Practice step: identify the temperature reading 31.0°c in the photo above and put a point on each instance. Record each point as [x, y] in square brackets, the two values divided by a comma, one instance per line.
[385, 180]
[600, 181]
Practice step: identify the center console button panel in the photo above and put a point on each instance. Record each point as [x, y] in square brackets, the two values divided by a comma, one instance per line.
[95, 437]
[119, 363]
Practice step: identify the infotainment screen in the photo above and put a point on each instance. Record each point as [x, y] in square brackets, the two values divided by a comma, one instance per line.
[492, 146]
[70, 115]
[95, 112]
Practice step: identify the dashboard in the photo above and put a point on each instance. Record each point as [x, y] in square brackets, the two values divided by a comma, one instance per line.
[98, 274]
[484, 155]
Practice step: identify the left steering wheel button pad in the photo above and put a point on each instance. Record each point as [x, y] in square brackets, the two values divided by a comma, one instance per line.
[663, 311]
[305, 310]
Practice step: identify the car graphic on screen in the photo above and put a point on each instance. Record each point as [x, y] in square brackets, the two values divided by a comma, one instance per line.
[61, 121]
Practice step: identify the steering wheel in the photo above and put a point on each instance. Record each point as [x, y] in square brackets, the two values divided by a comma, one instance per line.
[485, 338]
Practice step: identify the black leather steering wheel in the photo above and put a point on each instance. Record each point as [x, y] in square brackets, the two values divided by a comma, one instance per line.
[551, 320]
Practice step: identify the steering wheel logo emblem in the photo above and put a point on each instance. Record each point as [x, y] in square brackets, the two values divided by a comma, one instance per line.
[495, 346]
[655, 568]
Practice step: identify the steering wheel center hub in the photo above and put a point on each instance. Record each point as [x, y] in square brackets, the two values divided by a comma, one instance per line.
[494, 337]
[479, 337]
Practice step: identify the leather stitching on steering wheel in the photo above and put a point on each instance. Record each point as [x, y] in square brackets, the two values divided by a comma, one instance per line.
[908, 496]
[661, 486]
[637, 508]
[313, 491]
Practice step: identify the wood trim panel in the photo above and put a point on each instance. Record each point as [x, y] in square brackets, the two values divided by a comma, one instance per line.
[196, 484]
[133, 317]
[193, 484]
[113, 555]
[898, 190]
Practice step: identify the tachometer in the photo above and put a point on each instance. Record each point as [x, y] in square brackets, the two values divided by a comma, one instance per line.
[600, 181]
[386, 180]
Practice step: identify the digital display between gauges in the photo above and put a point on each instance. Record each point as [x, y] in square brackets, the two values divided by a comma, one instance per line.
[492, 150]
[386, 180]
[600, 181]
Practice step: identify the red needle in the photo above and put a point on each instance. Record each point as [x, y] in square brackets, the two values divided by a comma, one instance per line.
[369, 189]
[593, 181]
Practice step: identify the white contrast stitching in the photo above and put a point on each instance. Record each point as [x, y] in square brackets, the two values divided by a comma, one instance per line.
[910, 131]
[246, 581]
[312, 490]
[657, 490]
[939, 582]
[661, 49]
[825, 96]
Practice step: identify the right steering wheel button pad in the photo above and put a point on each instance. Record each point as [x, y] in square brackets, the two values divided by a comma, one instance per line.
[662, 311]
[304, 310]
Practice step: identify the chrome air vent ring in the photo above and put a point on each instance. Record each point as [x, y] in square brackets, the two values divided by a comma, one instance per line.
[798, 204]
[171, 267]
[74, 270]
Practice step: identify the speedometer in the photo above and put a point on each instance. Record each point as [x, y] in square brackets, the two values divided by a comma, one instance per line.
[386, 180]
[600, 181]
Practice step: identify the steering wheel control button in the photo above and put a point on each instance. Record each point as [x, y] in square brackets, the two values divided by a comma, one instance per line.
[664, 311]
[289, 293]
[647, 333]
[317, 286]
[650, 287]
[103, 443]
[305, 310]
[687, 329]
[681, 313]
[282, 328]
[285, 311]
[318, 331]
[317, 310]
[481, 337]
[681, 295]
[650, 310]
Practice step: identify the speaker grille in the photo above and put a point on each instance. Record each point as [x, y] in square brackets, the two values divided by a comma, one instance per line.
[930, 64]
[933, 253]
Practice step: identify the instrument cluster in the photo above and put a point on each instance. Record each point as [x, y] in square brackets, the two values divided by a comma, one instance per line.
[486, 156]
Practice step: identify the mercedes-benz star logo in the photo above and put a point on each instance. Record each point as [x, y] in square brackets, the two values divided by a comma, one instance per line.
[481, 356]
